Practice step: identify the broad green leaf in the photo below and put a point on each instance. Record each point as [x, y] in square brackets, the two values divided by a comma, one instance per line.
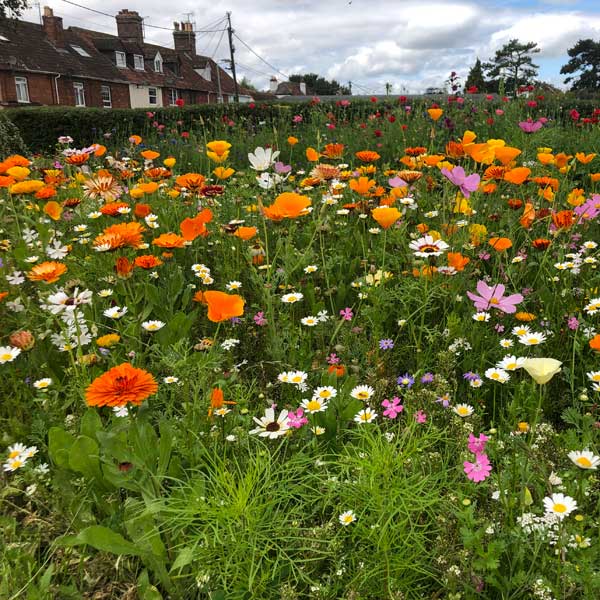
[59, 444]
[107, 540]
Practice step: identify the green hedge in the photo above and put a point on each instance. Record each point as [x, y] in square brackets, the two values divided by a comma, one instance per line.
[11, 141]
[41, 127]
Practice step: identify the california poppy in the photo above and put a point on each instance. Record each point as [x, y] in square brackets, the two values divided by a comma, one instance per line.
[386, 216]
[223, 173]
[121, 385]
[528, 215]
[217, 400]
[312, 155]
[457, 260]
[517, 175]
[245, 233]
[435, 113]
[192, 227]
[53, 210]
[595, 343]
[150, 154]
[500, 243]
[288, 205]
[222, 306]
[362, 185]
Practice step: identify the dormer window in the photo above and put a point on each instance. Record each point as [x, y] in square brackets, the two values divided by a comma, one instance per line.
[138, 62]
[121, 59]
[80, 51]
[158, 63]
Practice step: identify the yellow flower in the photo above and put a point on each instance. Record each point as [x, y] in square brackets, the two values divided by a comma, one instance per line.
[18, 173]
[218, 150]
[223, 173]
[435, 113]
[169, 162]
[109, 340]
[542, 370]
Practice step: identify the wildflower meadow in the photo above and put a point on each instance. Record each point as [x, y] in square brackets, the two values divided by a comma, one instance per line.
[328, 354]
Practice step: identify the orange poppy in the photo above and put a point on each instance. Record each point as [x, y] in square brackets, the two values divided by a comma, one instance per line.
[362, 185]
[169, 240]
[506, 154]
[561, 160]
[6, 181]
[422, 228]
[435, 113]
[386, 216]
[457, 260]
[584, 158]
[339, 370]
[500, 244]
[312, 155]
[367, 156]
[245, 233]
[142, 210]
[545, 158]
[517, 175]
[292, 141]
[223, 173]
[49, 271]
[150, 154]
[192, 227]
[53, 210]
[528, 216]
[121, 385]
[595, 177]
[482, 153]
[124, 267]
[288, 205]
[222, 306]
[147, 261]
[135, 139]
[100, 150]
[158, 173]
[595, 343]
[489, 188]
[3, 295]
[217, 400]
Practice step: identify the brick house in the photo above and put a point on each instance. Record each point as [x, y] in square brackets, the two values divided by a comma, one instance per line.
[49, 65]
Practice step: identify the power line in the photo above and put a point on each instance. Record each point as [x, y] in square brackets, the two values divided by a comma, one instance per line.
[260, 57]
[218, 44]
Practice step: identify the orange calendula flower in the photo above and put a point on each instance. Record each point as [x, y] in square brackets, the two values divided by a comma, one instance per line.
[191, 181]
[362, 185]
[245, 233]
[524, 316]
[112, 208]
[500, 244]
[435, 113]
[455, 149]
[124, 267]
[563, 219]
[292, 141]
[142, 210]
[367, 156]
[312, 155]
[150, 154]
[29, 186]
[217, 400]
[222, 306]
[49, 271]
[121, 385]
[193, 227]
[334, 150]
[53, 210]
[386, 216]
[108, 340]
[541, 243]
[288, 205]
[3, 295]
[457, 260]
[595, 343]
[169, 240]
[147, 261]
[119, 236]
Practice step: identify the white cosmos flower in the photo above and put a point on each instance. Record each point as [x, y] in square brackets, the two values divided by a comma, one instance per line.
[56, 250]
[268, 181]
[15, 278]
[269, 426]
[262, 158]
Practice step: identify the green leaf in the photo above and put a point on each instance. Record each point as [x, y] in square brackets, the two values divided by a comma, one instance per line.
[59, 444]
[106, 540]
[91, 423]
[184, 558]
[84, 457]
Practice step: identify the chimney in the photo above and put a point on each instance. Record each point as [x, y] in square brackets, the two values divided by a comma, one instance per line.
[53, 28]
[303, 88]
[273, 85]
[184, 38]
[130, 26]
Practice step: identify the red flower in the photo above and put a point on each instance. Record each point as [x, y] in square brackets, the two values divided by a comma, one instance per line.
[179, 102]
[574, 115]
[373, 99]
[532, 103]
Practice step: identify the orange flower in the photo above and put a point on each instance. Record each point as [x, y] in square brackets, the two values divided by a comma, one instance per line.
[546, 158]
[362, 185]
[595, 177]
[334, 150]
[49, 271]
[112, 208]
[423, 228]
[500, 244]
[78, 159]
[135, 139]
[489, 188]
[158, 173]
[222, 306]
[147, 261]
[100, 150]
[506, 154]
[454, 149]
[223, 173]
[3, 295]
[563, 219]
[142, 210]
[561, 160]
[541, 243]
[53, 210]
[524, 316]
[288, 205]
[339, 370]
[292, 141]
[584, 158]
[121, 385]
[576, 197]
[367, 156]
[6, 181]
[150, 154]
[528, 216]
[45, 193]
[191, 181]
[169, 240]
[245, 233]
[547, 181]
[518, 175]
[435, 113]
[120, 235]
[515, 203]
[457, 260]
[312, 155]
[386, 216]
[192, 227]
[124, 267]
[595, 343]
[217, 401]
[148, 188]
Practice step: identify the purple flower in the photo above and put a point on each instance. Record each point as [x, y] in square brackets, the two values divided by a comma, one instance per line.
[392, 407]
[235, 320]
[427, 378]
[589, 209]
[444, 400]
[470, 376]
[484, 256]
[405, 381]
[346, 314]
[573, 323]
[493, 297]
[499, 328]
[466, 183]
[259, 319]
[386, 344]
[397, 182]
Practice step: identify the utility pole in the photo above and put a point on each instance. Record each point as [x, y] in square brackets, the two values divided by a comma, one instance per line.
[231, 52]
[350, 87]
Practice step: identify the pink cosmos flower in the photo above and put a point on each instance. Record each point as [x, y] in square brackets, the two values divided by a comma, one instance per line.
[493, 297]
[477, 445]
[466, 183]
[530, 126]
[479, 470]
[392, 407]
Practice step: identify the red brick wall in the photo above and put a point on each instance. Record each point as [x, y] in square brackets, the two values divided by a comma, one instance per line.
[41, 88]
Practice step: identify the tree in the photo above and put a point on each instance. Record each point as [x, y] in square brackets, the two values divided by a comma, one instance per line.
[12, 8]
[513, 63]
[319, 85]
[584, 65]
[476, 79]
[246, 83]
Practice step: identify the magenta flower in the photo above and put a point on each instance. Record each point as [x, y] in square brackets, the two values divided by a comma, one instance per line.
[392, 407]
[297, 419]
[346, 314]
[477, 445]
[259, 319]
[479, 470]
[589, 209]
[530, 126]
[420, 416]
[493, 297]
[466, 183]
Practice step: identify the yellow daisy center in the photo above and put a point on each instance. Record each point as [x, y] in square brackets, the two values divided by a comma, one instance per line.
[582, 461]
[560, 508]
[313, 405]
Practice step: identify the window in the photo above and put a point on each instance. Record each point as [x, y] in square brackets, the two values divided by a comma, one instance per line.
[158, 63]
[174, 95]
[22, 89]
[79, 94]
[3, 39]
[138, 62]
[121, 59]
[106, 97]
[152, 96]
[80, 51]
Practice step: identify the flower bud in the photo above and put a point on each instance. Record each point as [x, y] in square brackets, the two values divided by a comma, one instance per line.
[23, 340]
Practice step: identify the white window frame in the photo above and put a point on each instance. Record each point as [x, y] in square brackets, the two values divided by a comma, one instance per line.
[174, 95]
[155, 103]
[121, 59]
[106, 100]
[21, 84]
[158, 63]
[138, 62]
[79, 90]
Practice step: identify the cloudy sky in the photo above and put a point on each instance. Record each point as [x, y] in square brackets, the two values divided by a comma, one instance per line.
[410, 44]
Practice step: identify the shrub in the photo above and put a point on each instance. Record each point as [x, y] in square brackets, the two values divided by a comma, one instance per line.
[11, 141]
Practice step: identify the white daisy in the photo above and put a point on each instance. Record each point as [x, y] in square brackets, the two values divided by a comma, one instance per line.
[116, 312]
[559, 505]
[347, 517]
[428, 246]
[510, 363]
[325, 392]
[520, 330]
[463, 410]
[233, 285]
[314, 405]
[292, 298]
[8, 353]
[309, 321]
[482, 316]
[362, 392]
[153, 325]
[42, 384]
[311, 269]
[532, 339]
[366, 415]
[584, 459]
[170, 379]
[269, 426]
[499, 375]
[506, 343]
[105, 293]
